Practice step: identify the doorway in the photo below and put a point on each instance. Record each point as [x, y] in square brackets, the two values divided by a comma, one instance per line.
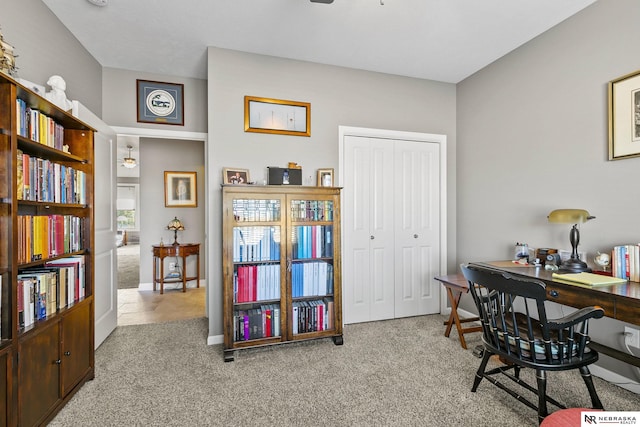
[142, 219]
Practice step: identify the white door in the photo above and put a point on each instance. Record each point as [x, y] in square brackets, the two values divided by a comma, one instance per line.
[105, 291]
[392, 223]
[417, 228]
[367, 258]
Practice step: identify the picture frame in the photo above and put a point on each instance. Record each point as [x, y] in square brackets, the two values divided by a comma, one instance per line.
[624, 116]
[235, 176]
[325, 177]
[277, 116]
[160, 102]
[180, 189]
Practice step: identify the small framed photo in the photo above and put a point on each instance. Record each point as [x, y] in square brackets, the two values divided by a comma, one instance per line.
[160, 102]
[266, 115]
[180, 189]
[235, 176]
[325, 177]
[624, 117]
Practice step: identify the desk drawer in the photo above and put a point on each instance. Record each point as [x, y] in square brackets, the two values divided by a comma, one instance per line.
[578, 297]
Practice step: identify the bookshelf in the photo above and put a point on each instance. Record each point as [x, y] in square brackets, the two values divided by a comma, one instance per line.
[281, 265]
[46, 256]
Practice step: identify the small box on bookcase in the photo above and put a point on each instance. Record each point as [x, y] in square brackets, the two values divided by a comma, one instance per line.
[284, 176]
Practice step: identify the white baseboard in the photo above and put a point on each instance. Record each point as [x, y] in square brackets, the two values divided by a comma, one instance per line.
[614, 378]
[215, 339]
[191, 284]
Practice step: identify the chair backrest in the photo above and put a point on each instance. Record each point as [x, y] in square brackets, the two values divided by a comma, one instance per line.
[514, 319]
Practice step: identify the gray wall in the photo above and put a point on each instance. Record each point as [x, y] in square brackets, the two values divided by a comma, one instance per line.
[532, 137]
[119, 100]
[157, 156]
[45, 47]
[338, 96]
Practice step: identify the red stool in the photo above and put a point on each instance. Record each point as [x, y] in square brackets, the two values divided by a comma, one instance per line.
[565, 417]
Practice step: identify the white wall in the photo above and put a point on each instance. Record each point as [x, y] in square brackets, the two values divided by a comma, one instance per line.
[338, 96]
[45, 47]
[532, 137]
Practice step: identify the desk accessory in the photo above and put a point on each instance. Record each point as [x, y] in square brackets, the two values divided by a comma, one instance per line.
[572, 216]
[175, 225]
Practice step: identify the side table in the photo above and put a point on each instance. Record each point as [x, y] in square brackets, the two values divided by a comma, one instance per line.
[183, 250]
[456, 285]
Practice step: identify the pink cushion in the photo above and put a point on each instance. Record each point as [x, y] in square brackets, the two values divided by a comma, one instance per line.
[570, 417]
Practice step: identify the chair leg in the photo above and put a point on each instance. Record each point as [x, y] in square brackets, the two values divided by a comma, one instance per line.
[541, 377]
[588, 380]
[480, 373]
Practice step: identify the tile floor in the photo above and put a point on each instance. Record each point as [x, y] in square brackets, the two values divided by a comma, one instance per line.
[137, 307]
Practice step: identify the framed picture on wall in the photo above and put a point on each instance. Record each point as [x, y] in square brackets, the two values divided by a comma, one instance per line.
[267, 115]
[624, 116]
[180, 189]
[159, 102]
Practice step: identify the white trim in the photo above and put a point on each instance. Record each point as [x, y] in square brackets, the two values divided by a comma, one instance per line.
[215, 339]
[160, 133]
[344, 131]
[614, 378]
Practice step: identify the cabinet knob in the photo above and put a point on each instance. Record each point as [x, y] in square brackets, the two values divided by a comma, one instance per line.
[415, 236]
[57, 362]
[554, 293]
[67, 353]
[372, 237]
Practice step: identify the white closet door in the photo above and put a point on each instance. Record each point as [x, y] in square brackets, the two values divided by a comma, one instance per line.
[417, 228]
[367, 205]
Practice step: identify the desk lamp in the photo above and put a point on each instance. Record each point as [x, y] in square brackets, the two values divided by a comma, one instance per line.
[175, 225]
[575, 217]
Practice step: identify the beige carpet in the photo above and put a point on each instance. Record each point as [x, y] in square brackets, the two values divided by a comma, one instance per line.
[128, 266]
[400, 372]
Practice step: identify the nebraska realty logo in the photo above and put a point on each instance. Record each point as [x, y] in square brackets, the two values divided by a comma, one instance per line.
[609, 418]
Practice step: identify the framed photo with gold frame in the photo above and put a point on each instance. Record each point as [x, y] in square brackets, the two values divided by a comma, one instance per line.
[624, 116]
[180, 189]
[235, 176]
[277, 116]
[325, 177]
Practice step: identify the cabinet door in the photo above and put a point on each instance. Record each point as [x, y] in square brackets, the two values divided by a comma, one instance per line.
[76, 346]
[4, 391]
[39, 374]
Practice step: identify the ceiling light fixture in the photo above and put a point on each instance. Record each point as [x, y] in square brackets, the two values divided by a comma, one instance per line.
[129, 162]
[100, 3]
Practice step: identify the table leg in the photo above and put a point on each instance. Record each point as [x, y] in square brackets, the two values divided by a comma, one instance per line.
[184, 273]
[198, 270]
[155, 272]
[161, 276]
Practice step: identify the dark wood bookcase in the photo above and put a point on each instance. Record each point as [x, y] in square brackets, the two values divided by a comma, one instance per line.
[44, 363]
[281, 265]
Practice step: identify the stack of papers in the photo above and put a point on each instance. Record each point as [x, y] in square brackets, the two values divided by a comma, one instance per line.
[589, 279]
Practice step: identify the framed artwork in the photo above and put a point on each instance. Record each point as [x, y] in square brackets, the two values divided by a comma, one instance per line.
[325, 177]
[235, 176]
[160, 102]
[180, 189]
[266, 115]
[624, 117]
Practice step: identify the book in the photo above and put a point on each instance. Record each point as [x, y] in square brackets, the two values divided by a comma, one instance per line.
[589, 279]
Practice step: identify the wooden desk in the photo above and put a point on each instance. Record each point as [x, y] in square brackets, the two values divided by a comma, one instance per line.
[620, 302]
[160, 252]
[456, 285]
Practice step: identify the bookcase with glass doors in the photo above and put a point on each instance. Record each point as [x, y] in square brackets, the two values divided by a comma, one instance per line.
[281, 265]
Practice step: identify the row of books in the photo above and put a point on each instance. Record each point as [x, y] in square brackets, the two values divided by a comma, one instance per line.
[311, 278]
[252, 244]
[256, 210]
[44, 291]
[625, 262]
[256, 283]
[312, 210]
[313, 316]
[47, 236]
[42, 180]
[256, 323]
[312, 241]
[38, 127]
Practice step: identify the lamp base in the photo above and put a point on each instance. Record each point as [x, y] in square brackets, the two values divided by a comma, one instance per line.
[574, 265]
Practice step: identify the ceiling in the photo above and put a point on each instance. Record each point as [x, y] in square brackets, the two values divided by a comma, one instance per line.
[443, 40]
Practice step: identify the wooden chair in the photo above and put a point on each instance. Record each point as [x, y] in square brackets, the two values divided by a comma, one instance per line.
[515, 327]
